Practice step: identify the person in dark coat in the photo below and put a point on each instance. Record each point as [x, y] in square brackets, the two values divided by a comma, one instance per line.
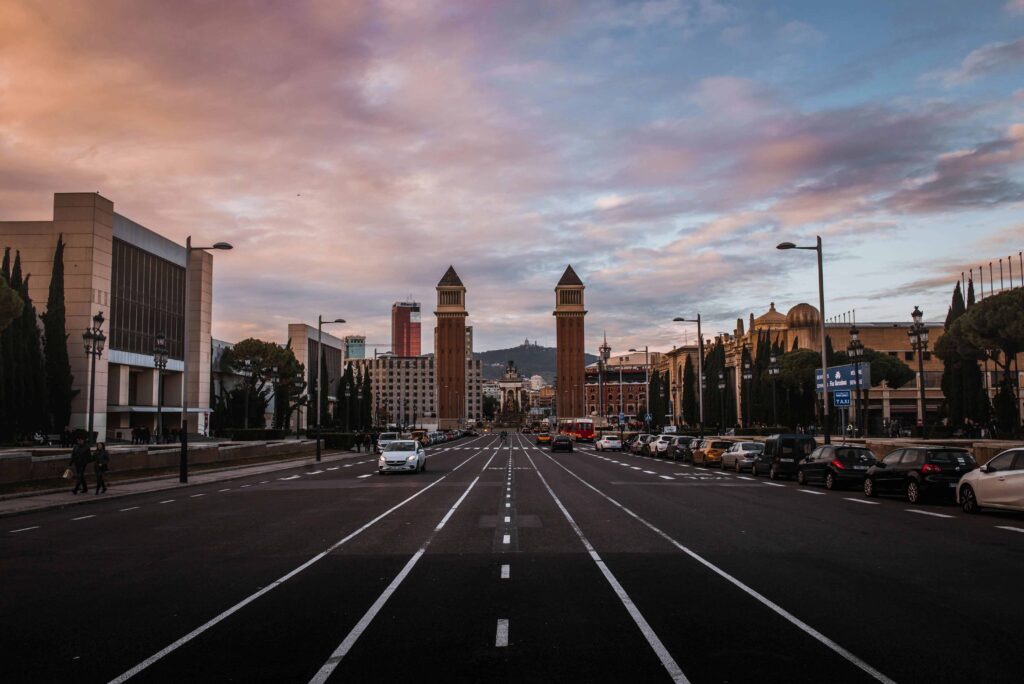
[368, 442]
[101, 463]
[80, 457]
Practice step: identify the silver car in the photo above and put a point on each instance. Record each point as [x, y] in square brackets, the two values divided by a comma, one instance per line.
[740, 456]
[402, 456]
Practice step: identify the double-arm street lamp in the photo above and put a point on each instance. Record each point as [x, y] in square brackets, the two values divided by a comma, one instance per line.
[918, 335]
[700, 365]
[747, 377]
[320, 356]
[160, 353]
[93, 339]
[855, 350]
[773, 371]
[821, 318]
[721, 400]
[183, 460]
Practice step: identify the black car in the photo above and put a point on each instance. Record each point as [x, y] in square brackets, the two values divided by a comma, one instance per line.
[919, 472]
[679, 449]
[561, 443]
[836, 466]
[781, 455]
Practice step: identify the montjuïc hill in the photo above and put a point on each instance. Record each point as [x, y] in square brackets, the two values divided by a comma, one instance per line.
[530, 359]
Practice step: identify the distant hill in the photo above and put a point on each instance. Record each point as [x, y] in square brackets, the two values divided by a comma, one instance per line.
[530, 359]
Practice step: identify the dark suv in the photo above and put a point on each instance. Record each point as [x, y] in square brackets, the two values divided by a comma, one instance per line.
[836, 466]
[782, 454]
[918, 472]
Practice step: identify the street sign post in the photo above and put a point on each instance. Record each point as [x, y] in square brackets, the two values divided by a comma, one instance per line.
[844, 377]
[841, 398]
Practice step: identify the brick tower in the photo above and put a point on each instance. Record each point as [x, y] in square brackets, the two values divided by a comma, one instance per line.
[569, 361]
[450, 351]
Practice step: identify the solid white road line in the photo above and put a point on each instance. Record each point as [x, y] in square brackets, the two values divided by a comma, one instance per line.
[505, 571]
[84, 517]
[24, 529]
[128, 674]
[350, 639]
[821, 638]
[998, 527]
[808, 491]
[132, 508]
[934, 515]
[667, 661]
[501, 635]
[863, 501]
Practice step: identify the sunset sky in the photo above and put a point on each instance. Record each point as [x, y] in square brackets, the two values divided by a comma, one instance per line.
[352, 151]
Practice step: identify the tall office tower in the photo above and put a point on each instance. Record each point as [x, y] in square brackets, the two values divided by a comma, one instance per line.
[405, 329]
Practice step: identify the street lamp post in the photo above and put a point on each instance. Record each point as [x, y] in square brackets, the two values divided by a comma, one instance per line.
[747, 377]
[316, 380]
[774, 370]
[821, 317]
[855, 350]
[183, 459]
[647, 386]
[721, 401]
[918, 335]
[700, 365]
[247, 370]
[93, 339]
[348, 395]
[300, 387]
[675, 413]
[160, 363]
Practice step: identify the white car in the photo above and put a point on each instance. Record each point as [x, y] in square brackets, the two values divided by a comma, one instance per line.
[385, 438]
[402, 455]
[659, 446]
[997, 484]
[740, 456]
[608, 443]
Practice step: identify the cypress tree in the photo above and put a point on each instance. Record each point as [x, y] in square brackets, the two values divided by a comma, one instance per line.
[59, 381]
[953, 366]
[29, 371]
[691, 412]
[367, 419]
[977, 405]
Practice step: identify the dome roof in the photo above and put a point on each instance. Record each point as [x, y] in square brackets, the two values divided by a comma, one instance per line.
[769, 319]
[802, 316]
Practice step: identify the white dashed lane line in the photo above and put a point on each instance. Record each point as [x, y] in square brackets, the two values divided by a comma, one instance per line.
[774, 484]
[1003, 527]
[84, 517]
[196, 496]
[808, 491]
[860, 501]
[506, 571]
[167, 501]
[25, 529]
[666, 477]
[227, 489]
[293, 477]
[934, 515]
[366, 475]
[131, 508]
[501, 635]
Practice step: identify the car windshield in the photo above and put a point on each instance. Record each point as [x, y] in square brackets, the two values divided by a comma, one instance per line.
[389, 435]
[721, 445]
[950, 458]
[752, 446]
[401, 446]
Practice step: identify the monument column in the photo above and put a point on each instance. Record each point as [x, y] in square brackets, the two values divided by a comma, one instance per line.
[569, 334]
[450, 351]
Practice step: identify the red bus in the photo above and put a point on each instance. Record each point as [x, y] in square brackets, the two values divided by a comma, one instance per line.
[580, 429]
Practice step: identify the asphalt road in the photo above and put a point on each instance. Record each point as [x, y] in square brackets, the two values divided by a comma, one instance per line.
[508, 563]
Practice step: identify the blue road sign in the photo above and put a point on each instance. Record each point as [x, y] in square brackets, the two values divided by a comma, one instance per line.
[841, 398]
[622, 417]
[843, 377]
[647, 417]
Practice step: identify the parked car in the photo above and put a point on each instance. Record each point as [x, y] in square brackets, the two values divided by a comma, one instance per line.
[561, 443]
[639, 445]
[997, 484]
[697, 449]
[781, 455]
[679, 449]
[543, 438]
[402, 455]
[836, 465]
[659, 446]
[740, 456]
[711, 453]
[608, 443]
[919, 472]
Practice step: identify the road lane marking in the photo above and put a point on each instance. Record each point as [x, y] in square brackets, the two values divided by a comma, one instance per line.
[167, 501]
[366, 475]
[774, 484]
[506, 539]
[226, 489]
[196, 496]
[779, 610]
[508, 505]
[744, 477]
[667, 661]
[293, 477]
[317, 472]
[650, 472]
[666, 477]
[264, 481]
[347, 465]
[636, 467]
[808, 491]
[24, 529]
[128, 674]
[84, 517]
[350, 639]
[505, 571]
[131, 508]
[508, 518]
[862, 501]
[334, 468]
[934, 515]
[998, 527]
[246, 485]
[501, 635]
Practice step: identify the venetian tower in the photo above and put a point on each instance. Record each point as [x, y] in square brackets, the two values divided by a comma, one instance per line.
[569, 360]
[450, 351]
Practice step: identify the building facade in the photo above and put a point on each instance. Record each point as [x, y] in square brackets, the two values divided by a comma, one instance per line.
[404, 390]
[355, 346]
[405, 329]
[617, 385]
[303, 341]
[135, 277]
[569, 343]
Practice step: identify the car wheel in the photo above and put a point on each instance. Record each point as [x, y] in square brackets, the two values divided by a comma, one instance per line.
[830, 480]
[913, 492]
[968, 501]
[738, 468]
[423, 466]
[869, 488]
[772, 475]
[801, 478]
[753, 470]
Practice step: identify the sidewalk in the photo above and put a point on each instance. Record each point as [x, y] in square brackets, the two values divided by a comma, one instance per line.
[58, 498]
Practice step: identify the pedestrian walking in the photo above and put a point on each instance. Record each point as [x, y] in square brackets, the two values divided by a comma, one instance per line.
[101, 462]
[80, 457]
[358, 442]
[367, 441]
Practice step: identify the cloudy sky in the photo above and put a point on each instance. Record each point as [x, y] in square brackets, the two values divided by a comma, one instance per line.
[351, 151]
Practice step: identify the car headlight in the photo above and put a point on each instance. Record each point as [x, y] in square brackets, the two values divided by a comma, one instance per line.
[411, 458]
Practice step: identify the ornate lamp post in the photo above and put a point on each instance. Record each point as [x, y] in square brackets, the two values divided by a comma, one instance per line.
[773, 371]
[93, 340]
[300, 386]
[721, 398]
[675, 413]
[160, 363]
[359, 407]
[918, 335]
[855, 350]
[747, 377]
